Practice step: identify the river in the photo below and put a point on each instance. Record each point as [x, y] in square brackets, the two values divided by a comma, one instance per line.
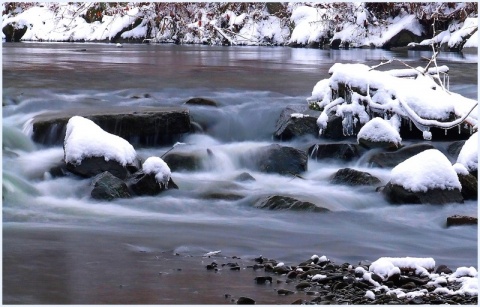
[58, 240]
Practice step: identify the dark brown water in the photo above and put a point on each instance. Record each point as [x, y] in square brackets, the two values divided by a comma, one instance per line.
[61, 247]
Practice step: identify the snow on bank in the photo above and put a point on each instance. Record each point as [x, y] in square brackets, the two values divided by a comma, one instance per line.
[157, 167]
[85, 139]
[427, 170]
[456, 34]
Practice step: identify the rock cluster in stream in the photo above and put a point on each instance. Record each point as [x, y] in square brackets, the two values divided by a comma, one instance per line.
[325, 283]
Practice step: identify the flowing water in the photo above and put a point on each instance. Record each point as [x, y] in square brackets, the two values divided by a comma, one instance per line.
[54, 217]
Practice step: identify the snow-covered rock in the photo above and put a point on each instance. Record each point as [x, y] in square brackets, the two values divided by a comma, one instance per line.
[468, 156]
[379, 133]
[157, 167]
[89, 150]
[427, 177]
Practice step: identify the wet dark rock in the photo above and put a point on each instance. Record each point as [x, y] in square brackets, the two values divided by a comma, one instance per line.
[243, 177]
[459, 220]
[201, 102]
[298, 302]
[58, 171]
[396, 194]
[392, 159]
[92, 166]
[147, 126]
[288, 127]
[183, 161]
[337, 151]
[469, 186]
[402, 39]
[409, 285]
[377, 144]
[348, 176]
[277, 202]
[377, 278]
[277, 159]
[454, 148]
[284, 292]
[108, 187]
[334, 129]
[146, 184]
[303, 285]
[243, 300]
[443, 269]
[283, 269]
[222, 196]
[263, 279]
[14, 32]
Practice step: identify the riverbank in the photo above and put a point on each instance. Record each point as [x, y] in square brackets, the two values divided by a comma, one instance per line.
[78, 266]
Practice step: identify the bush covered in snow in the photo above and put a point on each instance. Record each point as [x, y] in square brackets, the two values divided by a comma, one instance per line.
[358, 93]
[216, 23]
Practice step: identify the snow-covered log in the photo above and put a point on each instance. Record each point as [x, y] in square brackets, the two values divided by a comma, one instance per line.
[358, 93]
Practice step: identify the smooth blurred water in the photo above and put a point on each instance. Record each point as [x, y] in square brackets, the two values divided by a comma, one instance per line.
[252, 85]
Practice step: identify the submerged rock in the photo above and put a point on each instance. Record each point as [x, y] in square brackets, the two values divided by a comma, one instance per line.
[277, 202]
[295, 121]
[348, 176]
[457, 220]
[108, 187]
[243, 177]
[148, 126]
[397, 194]
[277, 159]
[183, 161]
[201, 102]
[392, 159]
[339, 151]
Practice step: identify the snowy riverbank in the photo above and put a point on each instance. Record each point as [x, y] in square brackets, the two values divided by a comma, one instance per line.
[337, 25]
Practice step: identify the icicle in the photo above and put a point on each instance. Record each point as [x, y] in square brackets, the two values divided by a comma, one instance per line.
[347, 123]
[445, 131]
[459, 129]
[471, 130]
[448, 82]
[410, 124]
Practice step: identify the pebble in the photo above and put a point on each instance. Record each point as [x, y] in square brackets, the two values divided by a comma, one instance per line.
[243, 300]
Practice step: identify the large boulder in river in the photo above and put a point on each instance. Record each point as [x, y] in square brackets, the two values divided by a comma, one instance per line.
[89, 150]
[296, 121]
[108, 187]
[277, 159]
[379, 133]
[337, 151]
[198, 101]
[277, 202]
[393, 158]
[426, 178]
[147, 126]
[348, 176]
[469, 186]
[458, 220]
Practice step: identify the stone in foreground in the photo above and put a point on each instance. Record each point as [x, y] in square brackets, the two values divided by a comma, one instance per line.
[109, 187]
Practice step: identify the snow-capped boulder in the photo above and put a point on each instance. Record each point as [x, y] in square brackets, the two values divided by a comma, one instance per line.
[89, 150]
[379, 133]
[468, 155]
[427, 177]
[153, 178]
[13, 31]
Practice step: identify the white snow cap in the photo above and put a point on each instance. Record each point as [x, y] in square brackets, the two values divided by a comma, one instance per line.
[429, 169]
[158, 167]
[468, 155]
[85, 139]
[379, 130]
